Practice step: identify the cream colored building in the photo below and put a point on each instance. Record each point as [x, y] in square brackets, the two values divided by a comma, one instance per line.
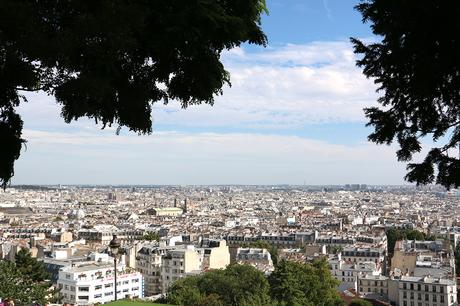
[409, 290]
[214, 254]
[168, 211]
[177, 263]
[423, 258]
[149, 263]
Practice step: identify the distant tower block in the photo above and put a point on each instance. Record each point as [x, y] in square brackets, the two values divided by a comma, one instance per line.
[175, 202]
[186, 208]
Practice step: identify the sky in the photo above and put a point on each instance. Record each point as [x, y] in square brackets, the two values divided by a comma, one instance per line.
[294, 115]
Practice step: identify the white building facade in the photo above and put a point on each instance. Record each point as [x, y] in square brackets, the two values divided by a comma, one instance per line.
[94, 282]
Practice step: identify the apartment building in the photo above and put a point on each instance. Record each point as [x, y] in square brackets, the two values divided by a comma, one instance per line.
[358, 254]
[177, 263]
[91, 282]
[347, 272]
[149, 263]
[258, 258]
[422, 258]
[409, 290]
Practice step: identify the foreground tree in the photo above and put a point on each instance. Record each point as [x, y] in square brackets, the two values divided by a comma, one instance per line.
[20, 287]
[110, 60]
[395, 234]
[30, 266]
[417, 67]
[296, 284]
[238, 285]
[360, 302]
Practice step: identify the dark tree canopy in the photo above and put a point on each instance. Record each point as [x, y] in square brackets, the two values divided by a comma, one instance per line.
[417, 68]
[236, 285]
[294, 283]
[110, 60]
[360, 302]
[291, 284]
[394, 234]
[26, 281]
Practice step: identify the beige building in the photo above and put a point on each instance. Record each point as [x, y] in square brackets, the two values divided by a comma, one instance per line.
[168, 211]
[409, 290]
[177, 263]
[162, 265]
[149, 263]
[423, 258]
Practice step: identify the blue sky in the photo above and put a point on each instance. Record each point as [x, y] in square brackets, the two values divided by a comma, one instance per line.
[293, 115]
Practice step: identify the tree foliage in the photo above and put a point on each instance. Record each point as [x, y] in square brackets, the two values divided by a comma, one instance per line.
[416, 66]
[30, 266]
[151, 236]
[236, 285]
[395, 234]
[297, 284]
[290, 284]
[273, 250]
[360, 302]
[457, 260]
[110, 60]
[22, 288]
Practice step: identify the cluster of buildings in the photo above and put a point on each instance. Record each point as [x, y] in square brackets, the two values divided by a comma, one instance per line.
[169, 232]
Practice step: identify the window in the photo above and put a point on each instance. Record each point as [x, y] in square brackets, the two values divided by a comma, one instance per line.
[72, 288]
[434, 288]
[434, 297]
[60, 286]
[427, 297]
[108, 285]
[404, 286]
[411, 286]
[419, 296]
[126, 282]
[136, 280]
[442, 298]
[99, 295]
[84, 289]
[67, 276]
[135, 289]
[125, 290]
[83, 297]
[98, 287]
[108, 293]
[442, 289]
[419, 287]
[404, 294]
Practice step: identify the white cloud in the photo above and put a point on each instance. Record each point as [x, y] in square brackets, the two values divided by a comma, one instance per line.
[279, 87]
[200, 158]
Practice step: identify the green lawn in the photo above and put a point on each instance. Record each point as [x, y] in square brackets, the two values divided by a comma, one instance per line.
[134, 303]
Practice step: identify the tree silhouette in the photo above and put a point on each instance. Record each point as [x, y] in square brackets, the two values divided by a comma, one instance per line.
[416, 66]
[110, 60]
